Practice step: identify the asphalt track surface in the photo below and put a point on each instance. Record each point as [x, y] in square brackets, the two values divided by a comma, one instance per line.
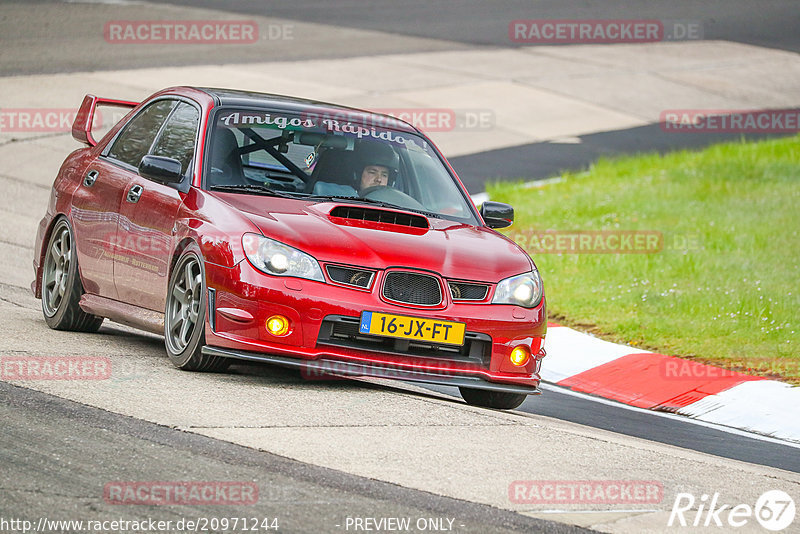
[413, 25]
[664, 428]
[769, 23]
[43, 434]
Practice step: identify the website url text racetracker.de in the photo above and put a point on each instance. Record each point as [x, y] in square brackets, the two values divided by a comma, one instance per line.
[193, 32]
[201, 524]
[730, 120]
[562, 31]
[589, 241]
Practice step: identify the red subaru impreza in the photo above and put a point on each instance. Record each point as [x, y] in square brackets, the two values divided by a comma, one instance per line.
[267, 228]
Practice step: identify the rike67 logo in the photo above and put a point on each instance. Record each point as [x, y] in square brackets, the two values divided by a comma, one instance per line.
[774, 510]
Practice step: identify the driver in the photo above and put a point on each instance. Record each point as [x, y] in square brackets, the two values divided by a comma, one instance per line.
[379, 165]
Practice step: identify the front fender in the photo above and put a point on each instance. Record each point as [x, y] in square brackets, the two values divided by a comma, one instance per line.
[217, 228]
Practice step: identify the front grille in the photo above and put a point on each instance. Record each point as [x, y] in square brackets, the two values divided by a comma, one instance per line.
[342, 331]
[383, 216]
[412, 288]
[467, 291]
[350, 277]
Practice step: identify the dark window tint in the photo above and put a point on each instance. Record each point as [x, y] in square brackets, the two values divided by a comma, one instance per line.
[177, 138]
[136, 139]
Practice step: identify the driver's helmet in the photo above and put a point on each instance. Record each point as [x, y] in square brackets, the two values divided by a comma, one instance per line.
[377, 153]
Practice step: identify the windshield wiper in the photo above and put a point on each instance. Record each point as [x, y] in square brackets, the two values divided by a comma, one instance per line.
[380, 203]
[254, 189]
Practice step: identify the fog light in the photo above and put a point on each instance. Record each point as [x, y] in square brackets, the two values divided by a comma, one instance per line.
[519, 356]
[278, 325]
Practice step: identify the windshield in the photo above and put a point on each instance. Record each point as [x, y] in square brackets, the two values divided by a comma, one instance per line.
[319, 157]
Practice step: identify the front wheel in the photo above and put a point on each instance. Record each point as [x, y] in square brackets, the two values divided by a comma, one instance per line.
[61, 284]
[492, 399]
[184, 317]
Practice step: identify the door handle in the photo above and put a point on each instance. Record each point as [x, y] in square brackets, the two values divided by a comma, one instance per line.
[91, 178]
[134, 193]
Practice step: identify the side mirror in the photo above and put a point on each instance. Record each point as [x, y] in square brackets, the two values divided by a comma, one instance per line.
[497, 214]
[160, 169]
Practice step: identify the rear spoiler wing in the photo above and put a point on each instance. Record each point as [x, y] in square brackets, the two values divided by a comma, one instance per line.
[82, 126]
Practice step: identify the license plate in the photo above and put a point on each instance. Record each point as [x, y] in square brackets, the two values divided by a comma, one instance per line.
[416, 328]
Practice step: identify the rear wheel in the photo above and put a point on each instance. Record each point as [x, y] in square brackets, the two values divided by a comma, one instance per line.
[492, 399]
[184, 318]
[61, 284]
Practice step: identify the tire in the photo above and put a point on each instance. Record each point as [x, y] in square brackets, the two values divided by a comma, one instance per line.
[492, 399]
[184, 316]
[61, 284]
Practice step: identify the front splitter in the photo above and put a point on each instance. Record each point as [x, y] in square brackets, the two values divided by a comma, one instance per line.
[322, 367]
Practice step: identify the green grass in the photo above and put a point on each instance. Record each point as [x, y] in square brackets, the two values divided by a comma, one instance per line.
[725, 288]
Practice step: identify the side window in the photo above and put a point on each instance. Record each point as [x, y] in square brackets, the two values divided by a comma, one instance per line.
[134, 142]
[178, 136]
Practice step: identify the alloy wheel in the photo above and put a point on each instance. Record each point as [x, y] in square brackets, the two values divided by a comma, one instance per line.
[183, 311]
[56, 270]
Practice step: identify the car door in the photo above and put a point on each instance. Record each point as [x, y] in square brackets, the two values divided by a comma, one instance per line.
[96, 202]
[145, 237]
[94, 219]
[116, 169]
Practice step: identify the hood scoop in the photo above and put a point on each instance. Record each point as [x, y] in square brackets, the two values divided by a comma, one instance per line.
[379, 216]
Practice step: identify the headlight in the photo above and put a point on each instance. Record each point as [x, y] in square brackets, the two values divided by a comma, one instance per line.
[273, 257]
[523, 290]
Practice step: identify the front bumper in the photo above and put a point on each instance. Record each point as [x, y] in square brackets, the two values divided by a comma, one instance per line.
[242, 298]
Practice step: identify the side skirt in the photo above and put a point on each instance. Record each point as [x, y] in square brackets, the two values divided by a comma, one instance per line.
[120, 312]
